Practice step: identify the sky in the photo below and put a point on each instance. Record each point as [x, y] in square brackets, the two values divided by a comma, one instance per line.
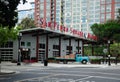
[24, 6]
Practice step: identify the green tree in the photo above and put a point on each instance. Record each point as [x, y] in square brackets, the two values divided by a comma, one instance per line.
[106, 31]
[7, 34]
[8, 12]
[98, 30]
[27, 23]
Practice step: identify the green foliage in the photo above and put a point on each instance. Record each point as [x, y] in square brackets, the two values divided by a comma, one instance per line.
[95, 61]
[27, 23]
[98, 50]
[106, 31]
[7, 34]
[8, 12]
[88, 50]
[115, 49]
[109, 30]
[98, 30]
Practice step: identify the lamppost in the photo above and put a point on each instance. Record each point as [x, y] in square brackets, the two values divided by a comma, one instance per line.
[109, 47]
[19, 51]
[109, 52]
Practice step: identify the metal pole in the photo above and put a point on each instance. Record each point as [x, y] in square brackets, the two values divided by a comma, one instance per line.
[109, 47]
[109, 53]
[19, 51]
[109, 60]
[18, 63]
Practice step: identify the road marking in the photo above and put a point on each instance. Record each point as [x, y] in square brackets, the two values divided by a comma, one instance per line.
[107, 78]
[52, 75]
[89, 76]
[84, 78]
[83, 72]
[5, 78]
[37, 78]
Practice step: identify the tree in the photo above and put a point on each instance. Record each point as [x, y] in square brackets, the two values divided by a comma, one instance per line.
[27, 23]
[7, 34]
[8, 12]
[106, 31]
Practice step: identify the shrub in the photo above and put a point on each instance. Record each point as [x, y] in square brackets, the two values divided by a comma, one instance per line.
[95, 61]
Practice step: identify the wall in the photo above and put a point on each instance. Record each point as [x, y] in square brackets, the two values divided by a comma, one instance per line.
[28, 38]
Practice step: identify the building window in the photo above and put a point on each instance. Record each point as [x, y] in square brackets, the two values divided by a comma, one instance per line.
[28, 43]
[56, 54]
[117, 0]
[56, 51]
[6, 54]
[22, 43]
[42, 46]
[69, 50]
[7, 45]
[56, 47]
[78, 47]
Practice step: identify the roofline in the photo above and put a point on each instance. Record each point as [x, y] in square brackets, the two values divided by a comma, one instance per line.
[39, 28]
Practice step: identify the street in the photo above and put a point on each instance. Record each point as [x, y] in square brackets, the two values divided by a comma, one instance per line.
[62, 74]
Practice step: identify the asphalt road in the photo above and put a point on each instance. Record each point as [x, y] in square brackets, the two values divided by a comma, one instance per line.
[63, 74]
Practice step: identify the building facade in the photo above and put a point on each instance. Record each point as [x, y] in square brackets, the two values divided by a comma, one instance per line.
[108, 9]
[39, 44]
[69, 18]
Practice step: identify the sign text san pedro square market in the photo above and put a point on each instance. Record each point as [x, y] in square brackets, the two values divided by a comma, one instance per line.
[71, 31]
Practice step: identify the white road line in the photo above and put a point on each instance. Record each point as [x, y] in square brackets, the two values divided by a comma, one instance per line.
[5, 78]
[84, 78]
[107, 78]
[84, 72]
[36, 78]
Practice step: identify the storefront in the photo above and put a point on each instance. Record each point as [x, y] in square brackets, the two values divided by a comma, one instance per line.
[40, 44]
[44, 44]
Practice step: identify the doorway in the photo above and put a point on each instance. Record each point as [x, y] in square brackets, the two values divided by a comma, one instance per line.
[25, 54]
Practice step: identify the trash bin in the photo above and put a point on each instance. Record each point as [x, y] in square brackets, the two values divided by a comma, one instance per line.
[45, 62]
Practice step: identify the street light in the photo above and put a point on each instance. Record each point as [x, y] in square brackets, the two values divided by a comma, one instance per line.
[109, 52]
[19, 51]
[109, 47]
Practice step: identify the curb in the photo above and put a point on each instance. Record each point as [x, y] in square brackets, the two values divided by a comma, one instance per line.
[7, 72]
[71, 65]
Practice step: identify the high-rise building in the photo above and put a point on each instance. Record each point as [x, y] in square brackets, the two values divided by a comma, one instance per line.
[93, 12]
[77, 14]
[108, 9]
[26, 10]
[45, 11]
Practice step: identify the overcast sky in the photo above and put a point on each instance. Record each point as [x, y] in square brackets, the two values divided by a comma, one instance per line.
[25, 6]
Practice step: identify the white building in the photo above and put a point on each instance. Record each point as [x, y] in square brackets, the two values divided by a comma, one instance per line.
[40, 43]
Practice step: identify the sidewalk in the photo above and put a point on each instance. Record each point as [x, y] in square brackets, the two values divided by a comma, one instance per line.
[54, 65]
[75, 64]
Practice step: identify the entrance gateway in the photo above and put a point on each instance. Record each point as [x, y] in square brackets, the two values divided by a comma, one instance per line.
[44, 43]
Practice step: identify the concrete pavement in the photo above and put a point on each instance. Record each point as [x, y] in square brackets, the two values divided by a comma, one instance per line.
[56, 65]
